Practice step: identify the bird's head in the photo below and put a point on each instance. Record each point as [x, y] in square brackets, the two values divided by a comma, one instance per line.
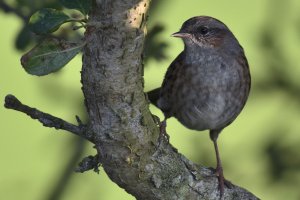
[205, 32]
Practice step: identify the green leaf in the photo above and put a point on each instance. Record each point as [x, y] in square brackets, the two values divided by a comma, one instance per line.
[47, 20]
[83, 6]
[49, 56]
[24, 38]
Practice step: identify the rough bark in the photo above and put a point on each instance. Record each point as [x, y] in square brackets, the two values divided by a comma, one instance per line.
[121, 126]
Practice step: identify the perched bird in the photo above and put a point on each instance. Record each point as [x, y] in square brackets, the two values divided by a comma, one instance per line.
[208, 84]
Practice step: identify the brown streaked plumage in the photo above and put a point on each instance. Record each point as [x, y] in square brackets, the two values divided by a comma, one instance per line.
[208, 84]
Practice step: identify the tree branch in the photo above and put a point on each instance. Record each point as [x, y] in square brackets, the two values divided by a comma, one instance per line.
[11, 102]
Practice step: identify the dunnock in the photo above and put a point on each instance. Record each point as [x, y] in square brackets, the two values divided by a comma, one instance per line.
[207, 85]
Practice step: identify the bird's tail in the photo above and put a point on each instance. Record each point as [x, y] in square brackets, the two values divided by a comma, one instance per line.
[153, 96]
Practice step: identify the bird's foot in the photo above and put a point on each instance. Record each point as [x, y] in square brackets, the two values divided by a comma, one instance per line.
[163, 133]
[221, 180]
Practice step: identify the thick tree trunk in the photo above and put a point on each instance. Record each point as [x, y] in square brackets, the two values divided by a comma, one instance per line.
[122, 127]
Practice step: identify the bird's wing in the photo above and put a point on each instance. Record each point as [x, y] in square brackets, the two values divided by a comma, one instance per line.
[155, 95]
[165, 100]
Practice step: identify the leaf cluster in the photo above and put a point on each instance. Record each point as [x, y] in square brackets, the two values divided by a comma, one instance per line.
[52, 53]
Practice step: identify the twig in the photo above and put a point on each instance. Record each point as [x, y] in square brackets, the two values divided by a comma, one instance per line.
[11, 102]
[88, 163]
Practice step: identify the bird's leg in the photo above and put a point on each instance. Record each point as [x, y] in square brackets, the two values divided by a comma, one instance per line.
[219, 170]
[163, 132]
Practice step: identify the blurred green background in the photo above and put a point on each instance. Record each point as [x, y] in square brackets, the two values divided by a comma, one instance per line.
[260, 150]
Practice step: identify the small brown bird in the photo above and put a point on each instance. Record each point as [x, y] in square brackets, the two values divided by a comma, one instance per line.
[208, 84]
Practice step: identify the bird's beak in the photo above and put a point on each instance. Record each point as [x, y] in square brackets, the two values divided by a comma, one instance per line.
[180, 34]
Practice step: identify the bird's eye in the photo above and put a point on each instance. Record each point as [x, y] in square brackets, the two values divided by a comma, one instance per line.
[203, 30]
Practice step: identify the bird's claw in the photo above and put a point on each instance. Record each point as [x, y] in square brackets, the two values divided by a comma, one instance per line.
[221, 180]
[163, 136]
